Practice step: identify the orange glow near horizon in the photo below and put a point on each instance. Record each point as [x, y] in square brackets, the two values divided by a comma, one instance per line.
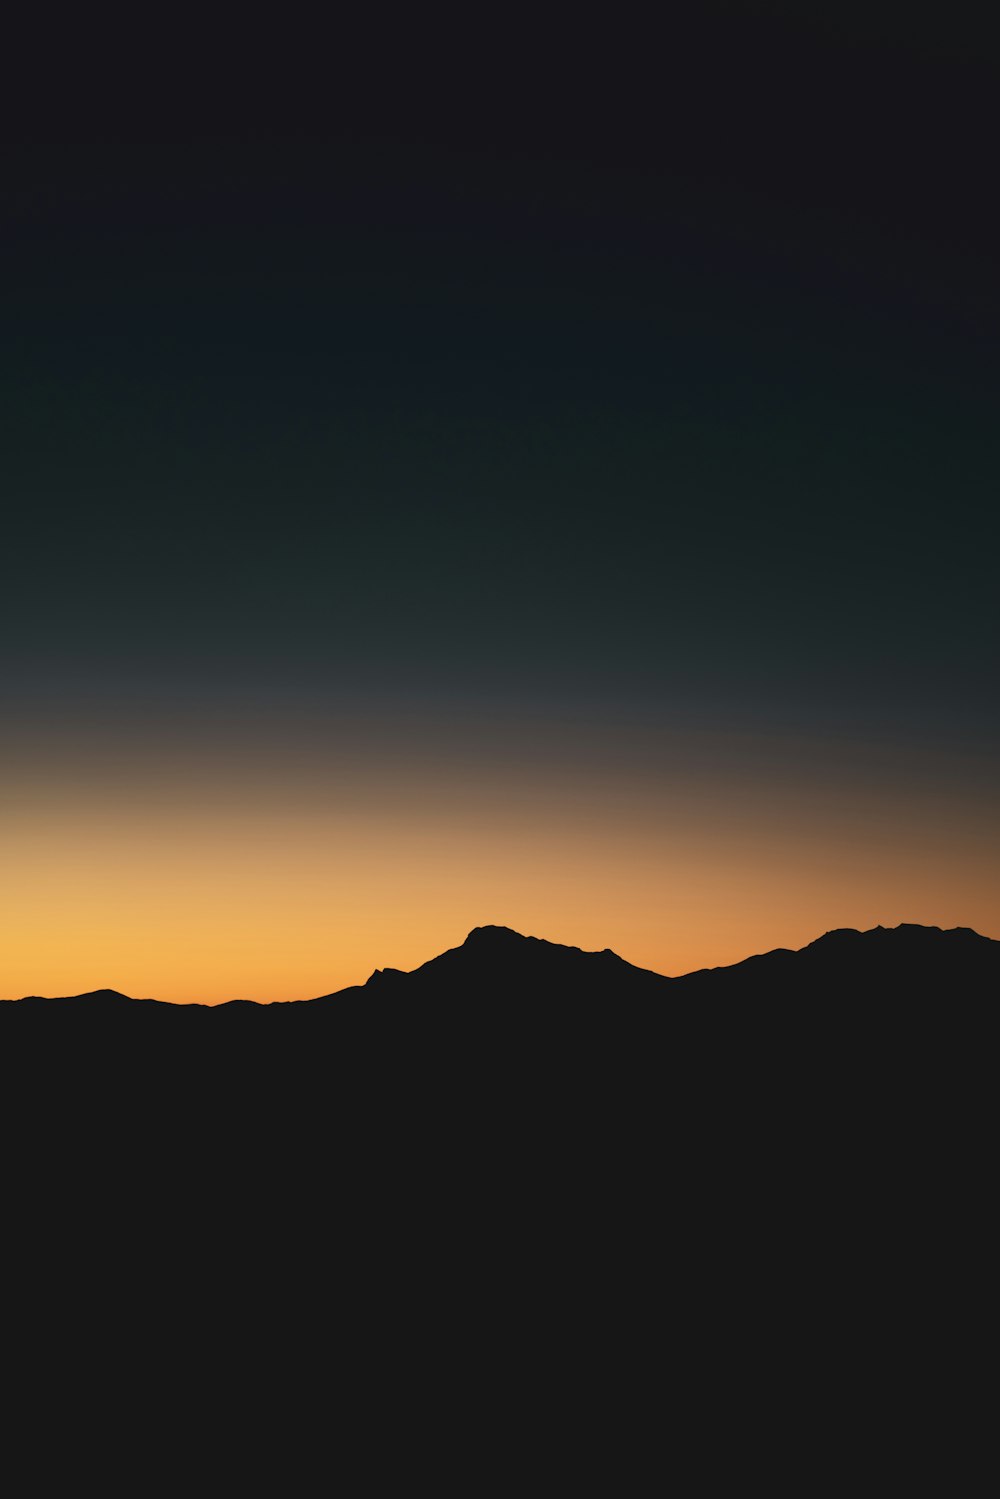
[210, 891]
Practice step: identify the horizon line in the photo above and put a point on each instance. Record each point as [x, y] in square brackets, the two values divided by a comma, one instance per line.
[487, 927]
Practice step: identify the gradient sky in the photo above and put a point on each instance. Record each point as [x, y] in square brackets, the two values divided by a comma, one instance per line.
[552, 491]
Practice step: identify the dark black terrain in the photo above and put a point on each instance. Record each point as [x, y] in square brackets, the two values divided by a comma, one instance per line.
[529, 1157]
[505, 1016]
[495, 964]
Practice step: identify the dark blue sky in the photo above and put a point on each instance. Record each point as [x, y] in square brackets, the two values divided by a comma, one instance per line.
[411, 414]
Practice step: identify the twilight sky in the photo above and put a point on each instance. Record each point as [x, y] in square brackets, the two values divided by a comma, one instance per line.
[543, 484]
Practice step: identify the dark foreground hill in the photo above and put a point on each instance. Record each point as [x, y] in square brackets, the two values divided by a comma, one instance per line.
[507, 1022]
[505, 1028]
[497, 965]
[883, 963]
[538, 1167]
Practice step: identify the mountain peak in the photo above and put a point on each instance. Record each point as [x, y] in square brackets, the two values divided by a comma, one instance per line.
[98, 995]
[482, 934]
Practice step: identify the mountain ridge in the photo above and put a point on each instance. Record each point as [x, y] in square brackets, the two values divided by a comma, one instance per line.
[497, 959]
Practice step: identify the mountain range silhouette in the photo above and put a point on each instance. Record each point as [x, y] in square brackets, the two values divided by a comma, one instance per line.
[495, 963]
[748, 1160]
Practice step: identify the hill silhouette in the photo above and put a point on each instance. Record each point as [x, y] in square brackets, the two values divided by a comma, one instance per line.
[103, 1001]
[495, 963]
[494, 960]
[750, 1160]
[889, 962]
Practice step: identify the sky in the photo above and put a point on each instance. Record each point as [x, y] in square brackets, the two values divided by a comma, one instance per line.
[546, 480]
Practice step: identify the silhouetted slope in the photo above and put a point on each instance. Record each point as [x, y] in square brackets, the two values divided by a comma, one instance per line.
[495, 964]
[542, 1137]
[887, 962]
[97, 1000]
